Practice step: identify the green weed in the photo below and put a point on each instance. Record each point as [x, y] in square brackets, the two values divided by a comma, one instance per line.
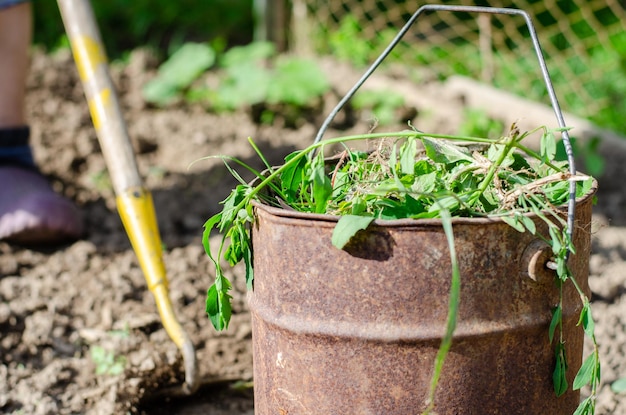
[416, 175]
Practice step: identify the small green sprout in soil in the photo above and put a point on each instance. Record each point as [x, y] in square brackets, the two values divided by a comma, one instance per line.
[416, 175]
[107, 363]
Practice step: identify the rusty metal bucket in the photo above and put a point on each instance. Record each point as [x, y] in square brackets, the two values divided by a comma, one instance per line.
[356, 331]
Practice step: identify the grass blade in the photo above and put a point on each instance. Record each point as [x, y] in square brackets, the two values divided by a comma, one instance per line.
[453, 309]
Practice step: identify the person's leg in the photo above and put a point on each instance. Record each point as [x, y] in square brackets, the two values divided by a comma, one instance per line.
[15, 39]
[30, 212]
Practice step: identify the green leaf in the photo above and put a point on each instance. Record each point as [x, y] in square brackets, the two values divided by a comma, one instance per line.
[244, 85]
[347, 227]
[297, 81]
[528, 223]
[292, 177]
[555, 239]
[557, 193]
[393, 185]
[341, 184]
[548, 145]
[117, 368]
[453, 306]
[208, 227]
[159, 93]
[247, 259]
[449, 203]
[413, 206]
[407, 157]
[186, 64]
[561, 268]
[178, 72]
[212, 308]
[393, 166]
[561, 153]
[393, 210]
[218, 305]
[584, 407]
[442, 152]
[425, 183]
[252, 53]
[514, 222]
[239, 241]
[556, 320]
[583, 187]
[231, 203]
[559, 375]
[358, 206]
[422, 167]
[322, 187]
[233, 253]
[619, 386]
[585, 373]
[587, 320]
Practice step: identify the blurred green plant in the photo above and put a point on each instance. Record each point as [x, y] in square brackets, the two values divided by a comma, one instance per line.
[248, 75]
[179, 72]
[347, 43]
[476, 123]
[593, 162]
[254, 74]
[382, 104]
[244, 79]
[619, 386]
[296, 81]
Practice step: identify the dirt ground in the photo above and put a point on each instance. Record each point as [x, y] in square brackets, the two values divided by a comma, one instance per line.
[62, 309]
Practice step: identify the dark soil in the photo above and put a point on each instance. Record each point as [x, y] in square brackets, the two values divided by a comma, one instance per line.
[58, 306]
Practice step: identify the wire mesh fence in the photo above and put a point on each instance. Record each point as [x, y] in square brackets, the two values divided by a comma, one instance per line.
[584, 43]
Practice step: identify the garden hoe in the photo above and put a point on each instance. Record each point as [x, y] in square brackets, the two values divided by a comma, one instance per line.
[134, 201]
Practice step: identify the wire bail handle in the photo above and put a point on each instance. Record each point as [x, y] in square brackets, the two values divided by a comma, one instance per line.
[571, 206]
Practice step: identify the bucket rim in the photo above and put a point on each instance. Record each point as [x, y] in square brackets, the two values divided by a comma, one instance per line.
[324, 217]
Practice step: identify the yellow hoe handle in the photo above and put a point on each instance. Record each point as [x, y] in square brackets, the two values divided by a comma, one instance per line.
[134, 202]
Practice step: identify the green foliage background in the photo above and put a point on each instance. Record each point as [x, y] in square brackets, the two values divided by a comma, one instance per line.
[163, 24]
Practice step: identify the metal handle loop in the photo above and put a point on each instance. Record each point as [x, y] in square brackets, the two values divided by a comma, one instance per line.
[542, 64]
